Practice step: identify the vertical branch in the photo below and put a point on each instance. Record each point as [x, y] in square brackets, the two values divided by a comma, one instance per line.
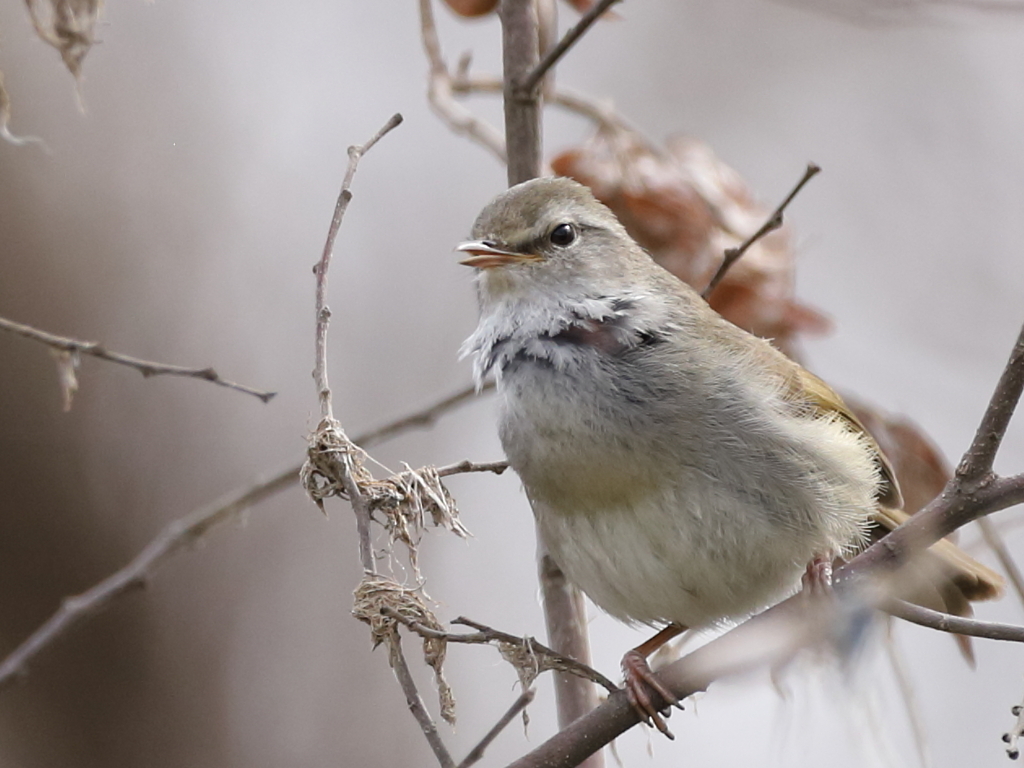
[522, 110]
[564, 610]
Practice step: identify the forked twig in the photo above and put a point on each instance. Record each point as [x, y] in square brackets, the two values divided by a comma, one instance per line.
[532, 80]
[732, 255]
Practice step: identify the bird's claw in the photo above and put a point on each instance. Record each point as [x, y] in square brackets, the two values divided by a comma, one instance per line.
[638, 682]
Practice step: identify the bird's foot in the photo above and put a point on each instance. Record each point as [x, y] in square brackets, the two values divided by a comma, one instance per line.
[817, 579]
[640, 683]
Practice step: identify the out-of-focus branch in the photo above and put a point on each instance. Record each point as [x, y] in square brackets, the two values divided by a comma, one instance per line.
[945, 622]
[68, 350]
[439, 92]
[174, 537]
[995, 542]
[732, 255]
[186, 530]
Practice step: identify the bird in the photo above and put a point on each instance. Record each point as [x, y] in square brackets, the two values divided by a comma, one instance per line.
[683, 473]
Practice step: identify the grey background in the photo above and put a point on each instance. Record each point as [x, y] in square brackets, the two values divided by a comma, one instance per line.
[177, 218]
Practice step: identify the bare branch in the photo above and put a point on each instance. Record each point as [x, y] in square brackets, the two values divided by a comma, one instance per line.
[518, 706]
[174, 537]
[977, 462]
[439, 92]
[73, 347]
[945, 622]
[422, 418]
[416, 706]
[732, 255]
[522, 110]
[323, 314]
[497, 467]
[532, 80]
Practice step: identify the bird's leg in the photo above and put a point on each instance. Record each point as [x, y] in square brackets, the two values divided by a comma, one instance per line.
[639, 679]
[817, 579]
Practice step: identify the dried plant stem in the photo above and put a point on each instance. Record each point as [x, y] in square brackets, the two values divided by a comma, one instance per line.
[323, 314]
[732, 255]
[145, 367]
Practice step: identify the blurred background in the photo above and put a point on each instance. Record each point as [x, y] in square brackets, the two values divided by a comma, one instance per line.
[183, 198]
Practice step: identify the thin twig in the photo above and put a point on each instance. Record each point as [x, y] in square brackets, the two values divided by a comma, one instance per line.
[486, 635]
[439, 92]
[732, 255]
[532, 80]
[518, 706]
[416, 706]
[945, 622]
[146, 367]
[497, 467]
[174, 537]
[995, 542]
[976, 464]
[323, 314]
[423, 418]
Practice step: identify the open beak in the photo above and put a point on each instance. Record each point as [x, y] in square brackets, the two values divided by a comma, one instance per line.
[484, 255]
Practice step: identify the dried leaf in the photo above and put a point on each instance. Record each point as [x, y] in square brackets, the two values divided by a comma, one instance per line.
[67, 363]
[68, 26]
[375, 593]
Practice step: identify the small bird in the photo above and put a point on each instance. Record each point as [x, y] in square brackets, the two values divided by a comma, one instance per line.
[682, 472]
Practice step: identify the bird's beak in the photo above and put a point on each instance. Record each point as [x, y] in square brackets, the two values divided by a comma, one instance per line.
[484, 255]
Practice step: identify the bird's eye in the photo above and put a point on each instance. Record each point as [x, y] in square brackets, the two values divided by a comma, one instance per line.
[562, 235]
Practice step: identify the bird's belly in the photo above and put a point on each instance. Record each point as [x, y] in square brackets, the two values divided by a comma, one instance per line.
[666, 558]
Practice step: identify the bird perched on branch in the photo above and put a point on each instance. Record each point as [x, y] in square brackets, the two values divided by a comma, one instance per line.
[682, 471]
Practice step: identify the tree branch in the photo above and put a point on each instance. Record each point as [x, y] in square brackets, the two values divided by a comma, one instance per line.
[416, 705]
[180, 533]
[945, 622]
[732, 255]
[532, 80]
[174, 537]
[522, 110]
[147, 368]
[977, 462]
[323, 313]
[439, 92]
